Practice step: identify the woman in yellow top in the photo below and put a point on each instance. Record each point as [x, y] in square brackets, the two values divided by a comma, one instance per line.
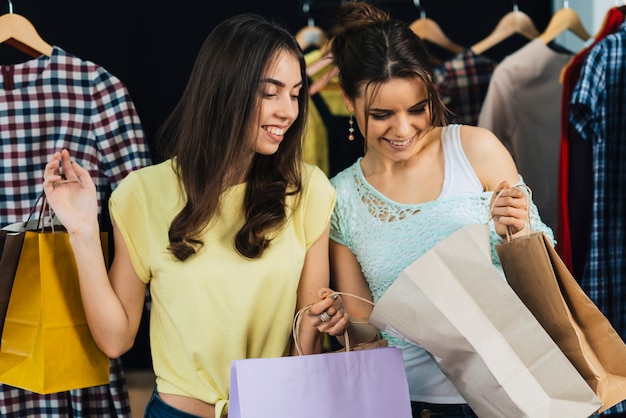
[230, 233]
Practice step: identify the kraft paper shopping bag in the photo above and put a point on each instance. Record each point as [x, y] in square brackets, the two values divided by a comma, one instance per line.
[543, 282]
[365, 383]
[453, 302]
[46, 343]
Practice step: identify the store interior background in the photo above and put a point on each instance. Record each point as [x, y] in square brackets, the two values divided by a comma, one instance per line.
[151, 45]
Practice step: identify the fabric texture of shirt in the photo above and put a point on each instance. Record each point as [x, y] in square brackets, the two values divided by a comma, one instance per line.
[522, 108]
[597, 111]
[463, 81]
[373, 226]
[47, 104]
[216, 306]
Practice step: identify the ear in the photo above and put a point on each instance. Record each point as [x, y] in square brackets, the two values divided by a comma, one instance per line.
[347, 102]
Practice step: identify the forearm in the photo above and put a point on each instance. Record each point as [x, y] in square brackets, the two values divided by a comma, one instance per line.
[311, 340]
[107, 319]
[360, 332]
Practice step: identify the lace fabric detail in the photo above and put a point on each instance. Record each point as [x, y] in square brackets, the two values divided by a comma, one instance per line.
[379, 208]
[386, 236]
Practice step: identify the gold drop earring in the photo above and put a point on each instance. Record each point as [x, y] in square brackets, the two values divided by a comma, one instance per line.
[351, 128]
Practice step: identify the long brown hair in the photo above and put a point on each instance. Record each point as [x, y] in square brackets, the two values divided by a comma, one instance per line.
[211, 134]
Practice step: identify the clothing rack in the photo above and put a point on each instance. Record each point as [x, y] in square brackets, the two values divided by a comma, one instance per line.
[308, 6]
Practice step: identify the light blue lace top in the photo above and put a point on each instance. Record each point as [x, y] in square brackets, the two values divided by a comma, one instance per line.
[386, 236]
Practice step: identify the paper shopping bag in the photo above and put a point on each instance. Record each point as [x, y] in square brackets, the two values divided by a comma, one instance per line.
[366, 384]
[453, 302]
[46, 343]
[10, 247]
[543, 282]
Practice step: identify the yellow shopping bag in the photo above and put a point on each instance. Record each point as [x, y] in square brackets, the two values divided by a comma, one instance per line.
[46, 343]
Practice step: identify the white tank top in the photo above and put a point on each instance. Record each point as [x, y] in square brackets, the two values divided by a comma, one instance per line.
[459, 176]
[426, 382]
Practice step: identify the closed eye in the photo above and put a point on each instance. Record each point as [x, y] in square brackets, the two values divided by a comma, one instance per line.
[418, 110]
[380, 116]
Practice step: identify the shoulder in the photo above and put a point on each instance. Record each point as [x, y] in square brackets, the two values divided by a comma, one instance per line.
[88, 72]
[480, 142]
[312, 172]
[488, 156]
[315, 181]
[155, 178]
[346, 176]
[312, 175]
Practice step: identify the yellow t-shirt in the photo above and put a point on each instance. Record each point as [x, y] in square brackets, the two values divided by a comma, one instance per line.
[217, 306]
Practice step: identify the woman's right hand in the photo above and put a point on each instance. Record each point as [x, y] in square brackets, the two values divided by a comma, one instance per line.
[327, 314]
[71, 193]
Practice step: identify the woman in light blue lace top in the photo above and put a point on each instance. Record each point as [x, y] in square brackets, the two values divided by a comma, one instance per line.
[418, 182]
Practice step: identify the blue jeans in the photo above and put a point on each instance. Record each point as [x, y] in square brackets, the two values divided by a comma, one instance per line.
[156, 408]
[427, 410]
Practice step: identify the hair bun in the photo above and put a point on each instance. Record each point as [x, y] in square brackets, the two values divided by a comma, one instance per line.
[354, 15]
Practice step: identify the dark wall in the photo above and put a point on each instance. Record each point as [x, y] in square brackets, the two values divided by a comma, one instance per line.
[151, 45]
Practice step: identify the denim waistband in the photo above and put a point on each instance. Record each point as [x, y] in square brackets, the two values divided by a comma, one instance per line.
[156, 408]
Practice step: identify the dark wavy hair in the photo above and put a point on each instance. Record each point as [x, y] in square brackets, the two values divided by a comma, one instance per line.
[370, 48]
[212, 131]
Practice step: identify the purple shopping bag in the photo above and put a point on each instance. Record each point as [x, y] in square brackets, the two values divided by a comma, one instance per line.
[366, 384]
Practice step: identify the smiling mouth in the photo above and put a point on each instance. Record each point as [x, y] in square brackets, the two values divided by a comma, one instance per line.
[399, 143]
[274, 130]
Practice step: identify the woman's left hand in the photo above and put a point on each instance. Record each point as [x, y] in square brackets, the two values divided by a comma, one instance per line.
[327, 314]
[509, 209]
[71, 193]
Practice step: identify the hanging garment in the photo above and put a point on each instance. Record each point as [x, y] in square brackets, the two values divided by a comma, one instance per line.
[522, 109]
[575, 173]
[463, 81]
[56, 102]
[315, 142]
[46, 104]
[597, 111]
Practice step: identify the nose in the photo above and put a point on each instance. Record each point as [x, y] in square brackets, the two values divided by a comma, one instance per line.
[402, 127]
[288, 108]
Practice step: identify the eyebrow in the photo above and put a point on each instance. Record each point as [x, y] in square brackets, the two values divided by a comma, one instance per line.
[279, 83]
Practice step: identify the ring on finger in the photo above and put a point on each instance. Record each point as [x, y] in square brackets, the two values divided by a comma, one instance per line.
[324, 317]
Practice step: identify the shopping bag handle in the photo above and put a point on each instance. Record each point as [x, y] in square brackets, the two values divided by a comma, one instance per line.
[529, 196]
[298, 319]
[45, 207]
[34, 224]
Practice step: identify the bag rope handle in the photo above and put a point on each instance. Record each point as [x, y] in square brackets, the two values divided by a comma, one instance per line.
[298, 319]
[529, 196]
[45, 205]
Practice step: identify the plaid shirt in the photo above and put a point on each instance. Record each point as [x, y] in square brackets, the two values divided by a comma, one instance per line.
[47, 104]
[463, 81]
[598, 112]
[57, 102]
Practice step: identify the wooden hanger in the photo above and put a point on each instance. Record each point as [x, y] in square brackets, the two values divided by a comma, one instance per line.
[310, 36]
[597, 36]
[427, 29]
[18, 32]
[564, 19]
[515, 22]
